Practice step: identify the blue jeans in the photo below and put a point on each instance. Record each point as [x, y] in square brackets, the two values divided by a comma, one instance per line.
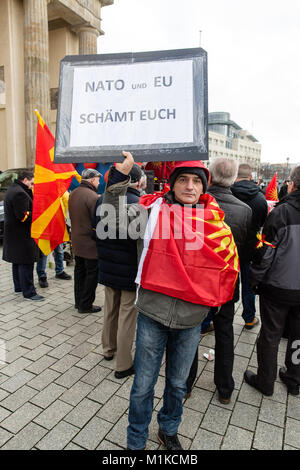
[152, 340]
[58, 254]
[248, 298]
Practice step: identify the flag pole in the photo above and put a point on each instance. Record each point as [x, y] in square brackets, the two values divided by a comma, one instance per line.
[41, 120]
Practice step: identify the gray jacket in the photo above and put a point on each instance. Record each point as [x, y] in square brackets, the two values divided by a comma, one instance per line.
[169, 311]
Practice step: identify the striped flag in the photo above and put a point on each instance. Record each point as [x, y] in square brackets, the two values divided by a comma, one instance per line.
[51, 181]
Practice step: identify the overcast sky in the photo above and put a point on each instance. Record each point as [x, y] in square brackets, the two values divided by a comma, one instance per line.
[253, 57]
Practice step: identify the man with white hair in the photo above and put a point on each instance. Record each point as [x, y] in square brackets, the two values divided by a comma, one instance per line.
[223, 172]
[238, 216]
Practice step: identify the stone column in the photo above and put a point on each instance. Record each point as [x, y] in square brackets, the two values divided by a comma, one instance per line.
[36, 77]
[87, 40]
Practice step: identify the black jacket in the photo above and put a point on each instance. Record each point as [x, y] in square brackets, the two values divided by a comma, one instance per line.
[276, 269]
[237, 214]
[133, 195]
[118, 259]
[250, 193]
[283, 192]
[18, 246]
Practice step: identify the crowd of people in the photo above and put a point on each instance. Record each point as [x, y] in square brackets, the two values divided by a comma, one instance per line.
[167, 291]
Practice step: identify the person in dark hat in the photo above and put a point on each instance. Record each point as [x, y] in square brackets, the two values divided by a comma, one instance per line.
[82, 203]
[133, 192]
[175, 288]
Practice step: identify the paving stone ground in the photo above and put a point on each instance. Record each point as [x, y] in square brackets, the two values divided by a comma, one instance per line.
[58, 392]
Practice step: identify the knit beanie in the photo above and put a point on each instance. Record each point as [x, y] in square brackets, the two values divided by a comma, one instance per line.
[135, 173]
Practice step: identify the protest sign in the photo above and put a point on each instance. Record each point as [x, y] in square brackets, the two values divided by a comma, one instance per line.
[152, 103]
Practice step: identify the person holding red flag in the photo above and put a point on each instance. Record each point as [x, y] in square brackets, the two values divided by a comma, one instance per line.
[187, 262]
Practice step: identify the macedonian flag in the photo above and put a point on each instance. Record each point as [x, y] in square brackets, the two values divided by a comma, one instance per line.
[51, 181]
[271, 191]
[189, 253]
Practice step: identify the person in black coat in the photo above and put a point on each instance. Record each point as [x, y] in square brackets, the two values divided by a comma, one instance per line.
[283, 190]
[248, 192]
[117, 272]
[238, 215]
[275, 277]
[18, 246]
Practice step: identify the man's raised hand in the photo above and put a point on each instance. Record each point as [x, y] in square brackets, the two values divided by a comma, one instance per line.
[126, 165]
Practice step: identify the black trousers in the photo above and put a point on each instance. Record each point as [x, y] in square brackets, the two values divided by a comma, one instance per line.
[274, 317]
[85, 281]
[224, 351]
[23, 279]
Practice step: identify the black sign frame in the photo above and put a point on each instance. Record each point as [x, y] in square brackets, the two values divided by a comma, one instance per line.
[196, 150]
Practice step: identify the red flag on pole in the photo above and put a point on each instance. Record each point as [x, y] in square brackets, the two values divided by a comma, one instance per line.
[271, 191]
[51, 181]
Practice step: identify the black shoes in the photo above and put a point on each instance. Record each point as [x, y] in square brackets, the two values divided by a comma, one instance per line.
[251, 379]
[43, 282]
[124, 373]
[92, 309]
[108, 358]
[170, 442]
[292, 388]
[223, 400]
[35, 298]
[63, 275]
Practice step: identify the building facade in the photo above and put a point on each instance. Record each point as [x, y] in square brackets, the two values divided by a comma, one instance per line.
[228, 139]
[34, 36]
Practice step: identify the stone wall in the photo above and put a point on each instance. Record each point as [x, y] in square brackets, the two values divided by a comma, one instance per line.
[34, 36]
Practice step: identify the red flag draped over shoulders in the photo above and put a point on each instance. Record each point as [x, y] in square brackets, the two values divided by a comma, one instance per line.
[201, 265]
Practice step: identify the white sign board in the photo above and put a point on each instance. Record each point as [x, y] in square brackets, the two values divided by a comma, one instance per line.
[157, 108]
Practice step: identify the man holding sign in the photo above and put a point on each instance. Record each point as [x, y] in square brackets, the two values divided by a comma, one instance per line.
[188, 262]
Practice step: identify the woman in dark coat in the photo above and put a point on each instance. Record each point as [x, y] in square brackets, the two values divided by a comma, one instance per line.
[18, 246]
